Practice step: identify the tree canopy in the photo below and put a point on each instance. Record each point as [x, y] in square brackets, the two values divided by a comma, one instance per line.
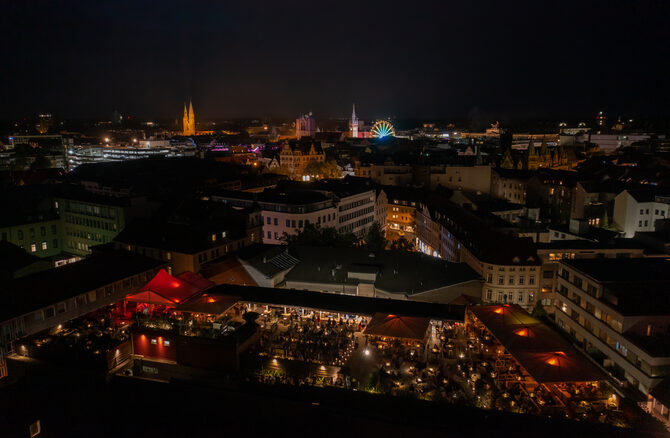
[323, 169]
[326, 236]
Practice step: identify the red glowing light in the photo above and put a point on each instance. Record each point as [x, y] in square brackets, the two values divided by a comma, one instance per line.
[522, 332]
[499, 310]
[211, 300]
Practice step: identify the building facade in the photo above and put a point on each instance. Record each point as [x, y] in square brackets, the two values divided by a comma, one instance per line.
[618, 310]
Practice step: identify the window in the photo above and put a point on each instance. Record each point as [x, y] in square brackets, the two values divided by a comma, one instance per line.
[288, 223]
[54, 230]
[511, 280]
[269, 234]
[20, 234]
[61, 307]
[522, 280]
[44, 245]
[43, 231]
[531, 280]
[489, 295]
[300, 224]
[49, 312]
[520, 297]
[548, 274]
[489, 278]
[293, 223]
[639, 224]
[646, 223]
[641, 211]
[501, 279]
[276, 221]
[81, 300]
[33, 247]
[166, 343]
[646, 211]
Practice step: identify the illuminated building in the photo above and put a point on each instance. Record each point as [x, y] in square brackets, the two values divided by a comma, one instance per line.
[89, 219]
[638, 210]
[45, 123]
[287, 210]
[618, 310]
[305, 126]
[353, 123]
[601, 119]
[296, 155]
[188, 121]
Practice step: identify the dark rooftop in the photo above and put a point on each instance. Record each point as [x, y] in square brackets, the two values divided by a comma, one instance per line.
[351, 304]
[607, 270]
[39, 290]
[398, 272]
[186, 227]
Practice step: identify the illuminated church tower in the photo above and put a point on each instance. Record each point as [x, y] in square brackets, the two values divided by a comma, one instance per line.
[189, 120]
[353, 124]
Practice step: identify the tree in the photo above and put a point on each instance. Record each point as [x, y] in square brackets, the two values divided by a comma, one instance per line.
[374, 240]
[402, 244]
[327, 236]
[323, 169]
[538, 310]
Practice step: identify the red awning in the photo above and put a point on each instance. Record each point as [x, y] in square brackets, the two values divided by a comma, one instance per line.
[394, 326]
[164, 289]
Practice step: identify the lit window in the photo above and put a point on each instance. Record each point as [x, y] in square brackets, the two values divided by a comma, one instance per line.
[154, 341]
[33, 247]
[44, 245]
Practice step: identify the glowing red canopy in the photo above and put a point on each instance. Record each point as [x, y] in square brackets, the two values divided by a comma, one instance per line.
[165, 289]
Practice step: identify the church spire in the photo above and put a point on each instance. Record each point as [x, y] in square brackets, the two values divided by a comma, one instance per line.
[353, 124]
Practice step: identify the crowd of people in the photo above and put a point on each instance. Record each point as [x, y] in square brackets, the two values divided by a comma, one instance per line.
[308, 338]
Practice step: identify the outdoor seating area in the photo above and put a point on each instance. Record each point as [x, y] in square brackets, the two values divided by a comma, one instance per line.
[535, 367]
[316, 337]
[98, 338]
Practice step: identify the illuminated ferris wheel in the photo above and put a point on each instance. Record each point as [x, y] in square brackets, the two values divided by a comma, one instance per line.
[381, 129]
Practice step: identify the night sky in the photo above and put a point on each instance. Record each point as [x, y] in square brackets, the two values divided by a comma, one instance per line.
[279, 58]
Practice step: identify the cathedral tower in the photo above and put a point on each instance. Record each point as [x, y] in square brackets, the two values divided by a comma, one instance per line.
[188, 122]
[353, 124]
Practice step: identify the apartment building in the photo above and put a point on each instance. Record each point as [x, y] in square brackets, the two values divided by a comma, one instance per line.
[619, 310]
[43, 300]
[638, 210]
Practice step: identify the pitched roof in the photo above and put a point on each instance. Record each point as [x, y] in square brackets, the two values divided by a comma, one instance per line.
[39, 290]
[395, 326]
[542, 352]
[165, 289]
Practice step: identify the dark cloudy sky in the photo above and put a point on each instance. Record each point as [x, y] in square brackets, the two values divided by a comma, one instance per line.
[282, 57]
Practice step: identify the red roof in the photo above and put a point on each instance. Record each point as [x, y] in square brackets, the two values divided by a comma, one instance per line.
[394, 326]
[542, 352]
[165, 289]
[196, 280]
